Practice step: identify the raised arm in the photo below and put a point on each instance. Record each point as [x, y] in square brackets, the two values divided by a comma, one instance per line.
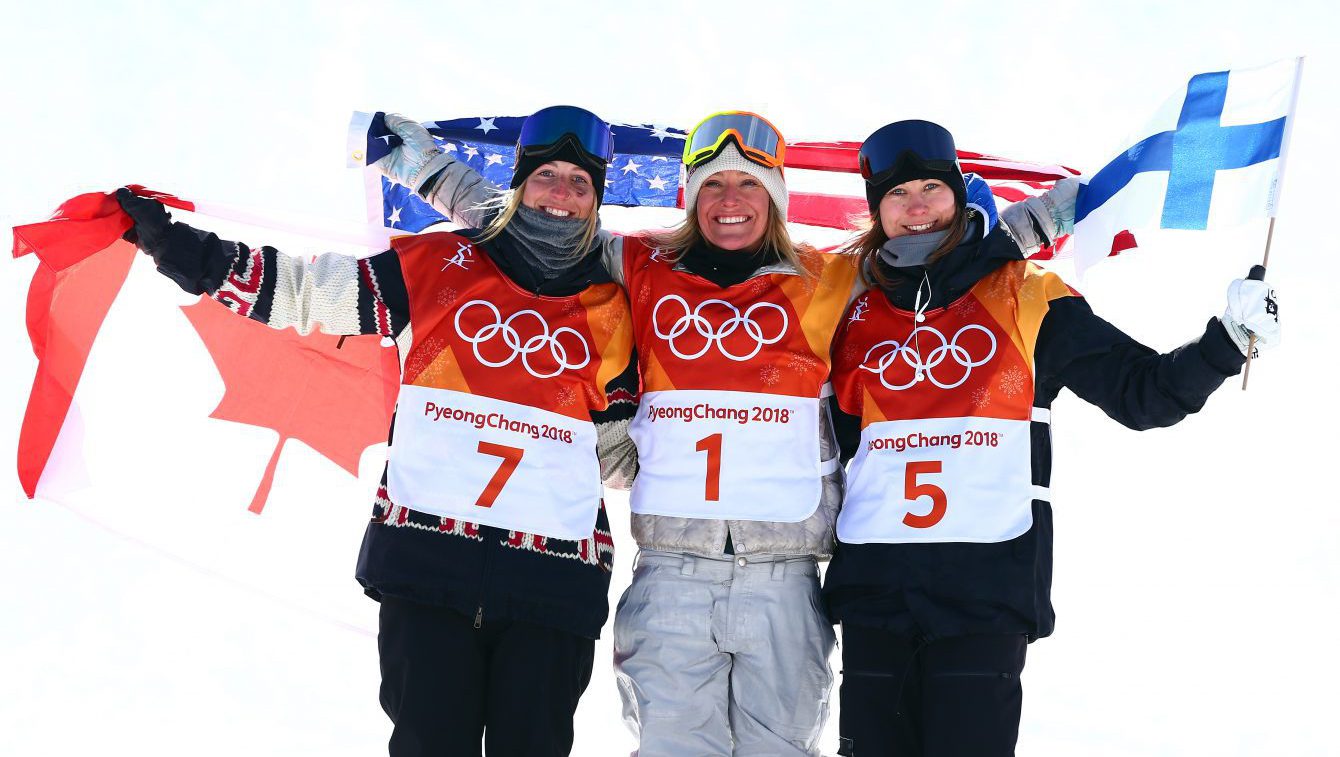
[1036, 222]
[1140, 387]
[450, 186]
[337, 294]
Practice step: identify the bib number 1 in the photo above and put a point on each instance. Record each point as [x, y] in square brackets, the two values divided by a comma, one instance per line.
[914, 490]
[712, 446]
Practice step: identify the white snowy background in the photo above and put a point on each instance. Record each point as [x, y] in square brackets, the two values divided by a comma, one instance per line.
[1196, 569]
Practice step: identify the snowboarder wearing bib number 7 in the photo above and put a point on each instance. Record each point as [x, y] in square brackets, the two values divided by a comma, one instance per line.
[488, 548]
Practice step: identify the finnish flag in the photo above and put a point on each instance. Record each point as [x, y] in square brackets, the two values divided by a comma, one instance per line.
[1213, 155]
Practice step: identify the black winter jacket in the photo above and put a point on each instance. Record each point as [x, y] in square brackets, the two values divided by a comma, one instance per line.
[931, 590]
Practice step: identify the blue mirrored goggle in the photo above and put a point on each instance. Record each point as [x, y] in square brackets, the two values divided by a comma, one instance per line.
[545, 128]
[884, 152]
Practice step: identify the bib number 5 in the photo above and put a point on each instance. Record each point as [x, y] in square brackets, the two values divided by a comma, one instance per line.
[914, 490]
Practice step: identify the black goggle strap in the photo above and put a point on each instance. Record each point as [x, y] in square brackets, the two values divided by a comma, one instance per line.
[756, 138]
[908, 161]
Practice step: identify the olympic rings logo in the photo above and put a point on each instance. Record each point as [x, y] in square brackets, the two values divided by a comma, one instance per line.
[694, 319]
[512, 338]
[907, 352]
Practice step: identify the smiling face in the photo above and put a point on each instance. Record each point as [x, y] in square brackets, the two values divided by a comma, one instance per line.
[917, 207]
[732, 210]
[561, 189]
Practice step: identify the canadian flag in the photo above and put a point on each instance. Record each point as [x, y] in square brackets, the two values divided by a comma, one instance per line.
[164, 418]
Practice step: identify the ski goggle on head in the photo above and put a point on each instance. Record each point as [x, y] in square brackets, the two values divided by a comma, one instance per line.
[756, 137]
[899, 144]
[546, 128]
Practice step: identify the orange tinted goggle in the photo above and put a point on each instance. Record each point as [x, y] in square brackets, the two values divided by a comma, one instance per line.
[756, 137]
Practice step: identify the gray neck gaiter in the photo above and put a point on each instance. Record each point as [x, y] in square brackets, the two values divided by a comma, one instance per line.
[911, 250]
[546, 244]
[915, 249]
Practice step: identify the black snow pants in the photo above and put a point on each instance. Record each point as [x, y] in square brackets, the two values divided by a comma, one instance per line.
[447, 685]
[953, 697]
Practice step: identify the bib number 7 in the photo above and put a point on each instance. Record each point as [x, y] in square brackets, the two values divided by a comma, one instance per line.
[914, 490]
[511, 458]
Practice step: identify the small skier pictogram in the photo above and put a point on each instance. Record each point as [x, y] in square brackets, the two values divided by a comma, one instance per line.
[465, 254]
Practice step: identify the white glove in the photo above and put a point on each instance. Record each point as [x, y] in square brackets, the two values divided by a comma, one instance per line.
[1052, 214]
[1253, 310]
[415, 159]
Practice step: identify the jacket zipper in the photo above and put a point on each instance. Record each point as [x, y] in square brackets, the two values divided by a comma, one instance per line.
[485, 533]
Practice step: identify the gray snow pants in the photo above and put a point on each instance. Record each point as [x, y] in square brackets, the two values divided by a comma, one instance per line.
[723, 656]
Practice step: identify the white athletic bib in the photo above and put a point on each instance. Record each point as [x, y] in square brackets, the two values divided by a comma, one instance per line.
[494, 462]
[940, 480]
[727, 455]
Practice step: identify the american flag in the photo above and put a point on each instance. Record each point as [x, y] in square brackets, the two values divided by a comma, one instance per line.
[646, 171]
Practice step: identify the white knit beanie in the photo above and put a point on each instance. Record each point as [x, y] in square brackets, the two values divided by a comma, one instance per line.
[730, 159]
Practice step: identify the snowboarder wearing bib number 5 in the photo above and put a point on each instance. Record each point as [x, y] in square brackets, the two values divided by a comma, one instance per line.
[944, 374]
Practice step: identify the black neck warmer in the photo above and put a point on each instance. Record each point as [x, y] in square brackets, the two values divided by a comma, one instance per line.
[726, 267]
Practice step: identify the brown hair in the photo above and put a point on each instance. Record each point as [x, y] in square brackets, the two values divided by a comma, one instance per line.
[676, 241]
[865, 246]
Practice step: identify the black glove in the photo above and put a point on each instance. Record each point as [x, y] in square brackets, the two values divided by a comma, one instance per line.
[151, 221]
[187, 256]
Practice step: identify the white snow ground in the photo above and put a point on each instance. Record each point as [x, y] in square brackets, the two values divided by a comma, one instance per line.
[1196, 569]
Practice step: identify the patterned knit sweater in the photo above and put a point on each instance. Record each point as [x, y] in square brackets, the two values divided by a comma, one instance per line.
[483, 572]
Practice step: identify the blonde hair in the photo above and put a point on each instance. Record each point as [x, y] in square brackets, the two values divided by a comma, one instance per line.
[676, 241]
[866, 244]
[506, 203]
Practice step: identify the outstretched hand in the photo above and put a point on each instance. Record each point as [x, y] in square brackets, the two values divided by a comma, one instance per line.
[151, 220]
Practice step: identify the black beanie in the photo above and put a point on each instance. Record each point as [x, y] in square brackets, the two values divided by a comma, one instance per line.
[922, 150]
[530, 158]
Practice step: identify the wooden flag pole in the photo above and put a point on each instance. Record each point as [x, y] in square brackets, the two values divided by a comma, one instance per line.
[1251, 341]
[1274, 200]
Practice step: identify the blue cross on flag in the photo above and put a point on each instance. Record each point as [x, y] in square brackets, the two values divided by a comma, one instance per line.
[1212, 156]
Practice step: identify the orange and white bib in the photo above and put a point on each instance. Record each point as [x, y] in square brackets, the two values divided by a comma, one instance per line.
[946, 409]
[493, 419]
[728, 424]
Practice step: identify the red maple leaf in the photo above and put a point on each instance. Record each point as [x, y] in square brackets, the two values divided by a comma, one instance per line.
[334, 394]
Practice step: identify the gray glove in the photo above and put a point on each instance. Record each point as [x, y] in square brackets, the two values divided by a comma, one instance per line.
[1036, 222]
[415, 159]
